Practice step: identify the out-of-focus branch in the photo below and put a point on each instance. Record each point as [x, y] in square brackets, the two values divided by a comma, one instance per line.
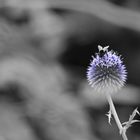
[96, 100]
[119, 16]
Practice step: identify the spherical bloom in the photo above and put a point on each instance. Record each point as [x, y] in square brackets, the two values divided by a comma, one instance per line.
[106, 72]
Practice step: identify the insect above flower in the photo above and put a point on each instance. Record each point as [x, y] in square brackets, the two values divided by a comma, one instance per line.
[106, 72]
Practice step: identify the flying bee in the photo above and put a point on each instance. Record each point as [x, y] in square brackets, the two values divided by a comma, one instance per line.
[102, 50]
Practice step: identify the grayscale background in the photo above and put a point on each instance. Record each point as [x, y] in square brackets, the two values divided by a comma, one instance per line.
[45, 49]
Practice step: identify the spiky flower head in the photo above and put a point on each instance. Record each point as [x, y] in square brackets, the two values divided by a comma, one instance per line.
[106, 72]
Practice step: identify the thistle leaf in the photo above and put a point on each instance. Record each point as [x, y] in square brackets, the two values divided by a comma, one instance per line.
[109, 115]
[131, 119]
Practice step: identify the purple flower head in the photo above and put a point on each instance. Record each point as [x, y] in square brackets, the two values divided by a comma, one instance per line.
[106, 72]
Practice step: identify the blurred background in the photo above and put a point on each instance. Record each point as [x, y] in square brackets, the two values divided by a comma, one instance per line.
[45, 49]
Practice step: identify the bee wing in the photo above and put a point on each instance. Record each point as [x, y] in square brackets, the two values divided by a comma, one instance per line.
[100, 48]
[105, 48]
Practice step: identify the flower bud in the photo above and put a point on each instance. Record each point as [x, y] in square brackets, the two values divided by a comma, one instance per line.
[106, 72]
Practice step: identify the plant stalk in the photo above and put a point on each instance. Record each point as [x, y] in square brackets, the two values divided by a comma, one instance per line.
[114, 113]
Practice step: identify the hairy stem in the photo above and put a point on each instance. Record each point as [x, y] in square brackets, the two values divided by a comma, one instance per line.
[114, 113]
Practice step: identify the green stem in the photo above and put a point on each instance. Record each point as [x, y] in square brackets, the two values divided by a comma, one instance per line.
[114, 113]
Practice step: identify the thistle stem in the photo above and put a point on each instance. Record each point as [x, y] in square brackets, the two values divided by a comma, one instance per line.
[114, 113]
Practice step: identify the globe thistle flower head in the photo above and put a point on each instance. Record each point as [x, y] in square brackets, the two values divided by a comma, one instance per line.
[106, 72]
